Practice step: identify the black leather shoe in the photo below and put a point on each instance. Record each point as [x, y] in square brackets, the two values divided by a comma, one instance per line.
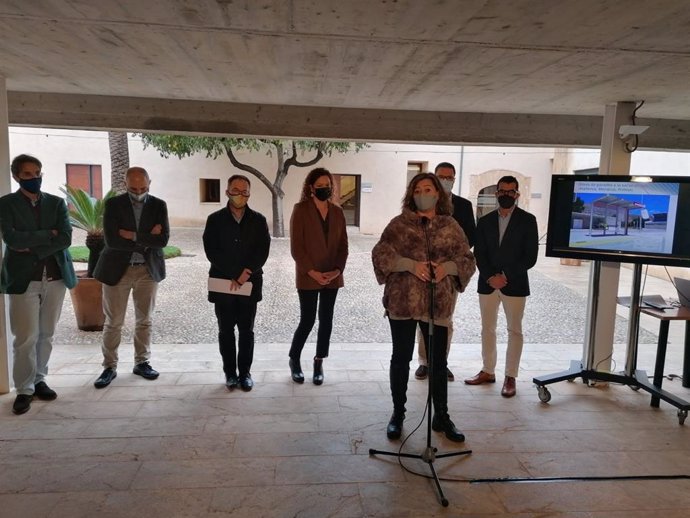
[246, 382]
[145, 371]
[318, 371]
[232, 381]
[296, 370]
[44, 392]
[445, 425]
[22, 404]
[394, 429]
[105, 378]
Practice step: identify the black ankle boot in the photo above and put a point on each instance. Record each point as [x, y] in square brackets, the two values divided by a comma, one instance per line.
[318, 371]
[296, 370]
[394, 429]
[442, 423]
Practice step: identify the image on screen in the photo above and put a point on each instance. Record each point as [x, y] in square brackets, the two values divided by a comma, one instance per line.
[624, 216]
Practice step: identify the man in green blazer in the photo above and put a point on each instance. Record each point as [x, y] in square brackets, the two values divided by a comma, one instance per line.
[36, 271]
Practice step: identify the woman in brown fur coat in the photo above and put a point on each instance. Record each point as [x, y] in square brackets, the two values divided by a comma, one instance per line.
[401, 262]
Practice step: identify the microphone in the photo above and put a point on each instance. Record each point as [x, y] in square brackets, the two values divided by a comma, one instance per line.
[425, 222]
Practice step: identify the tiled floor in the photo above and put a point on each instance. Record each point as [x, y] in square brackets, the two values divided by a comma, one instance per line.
[183, 446]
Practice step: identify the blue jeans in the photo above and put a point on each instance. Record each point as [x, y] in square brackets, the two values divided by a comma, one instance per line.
[33, 317]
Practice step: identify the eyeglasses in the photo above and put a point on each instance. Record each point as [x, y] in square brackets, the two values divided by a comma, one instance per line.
[511, 192]
[240, 193]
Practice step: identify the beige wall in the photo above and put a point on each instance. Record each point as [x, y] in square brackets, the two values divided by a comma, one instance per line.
[56, 148]
[382, 167]
[662, 163]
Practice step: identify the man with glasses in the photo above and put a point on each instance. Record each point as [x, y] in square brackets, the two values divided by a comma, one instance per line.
[507, 246]
[36, 271]
[463, 213]
[136, 229]
[236, 243]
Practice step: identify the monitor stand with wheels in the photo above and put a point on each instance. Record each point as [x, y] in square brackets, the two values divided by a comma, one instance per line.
[635, 378]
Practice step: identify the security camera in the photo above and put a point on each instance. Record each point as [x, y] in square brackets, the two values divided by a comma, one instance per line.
[627, 130]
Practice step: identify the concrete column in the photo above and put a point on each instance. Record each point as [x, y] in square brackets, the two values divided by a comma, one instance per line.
[461, 170]
[603, 285]
[5, 186]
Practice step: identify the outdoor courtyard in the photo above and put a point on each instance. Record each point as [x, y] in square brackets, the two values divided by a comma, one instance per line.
[184, 446]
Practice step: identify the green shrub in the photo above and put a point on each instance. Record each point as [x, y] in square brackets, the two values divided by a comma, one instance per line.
[80, 254]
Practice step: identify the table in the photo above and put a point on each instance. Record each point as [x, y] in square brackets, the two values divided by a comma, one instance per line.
[665, 317]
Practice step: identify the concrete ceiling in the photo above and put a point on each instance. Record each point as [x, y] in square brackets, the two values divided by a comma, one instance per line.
[497, 60]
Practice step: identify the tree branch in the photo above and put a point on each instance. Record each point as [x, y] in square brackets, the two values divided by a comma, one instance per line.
[293, 159]
[249, 169]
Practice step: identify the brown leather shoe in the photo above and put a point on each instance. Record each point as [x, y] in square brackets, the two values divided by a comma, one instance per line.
[508, 389]
[480, 378]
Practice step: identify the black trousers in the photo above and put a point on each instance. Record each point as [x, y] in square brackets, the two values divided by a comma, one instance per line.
[403, 333]
[236, 311]
[308, 301]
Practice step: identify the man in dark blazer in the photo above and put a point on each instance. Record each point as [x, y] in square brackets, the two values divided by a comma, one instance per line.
[463, 213]
[136, 230]
[236, 242]
[507, 247]
[36, 271]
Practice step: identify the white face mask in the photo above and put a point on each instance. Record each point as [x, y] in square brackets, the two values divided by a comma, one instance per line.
[447, 184]
[137, 197]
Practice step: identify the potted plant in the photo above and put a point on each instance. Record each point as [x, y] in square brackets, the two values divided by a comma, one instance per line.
[86, 213]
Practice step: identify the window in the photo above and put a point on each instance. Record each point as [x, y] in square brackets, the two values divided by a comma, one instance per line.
[86, 177]
[209, 190]
[486, 201]
[414, 168]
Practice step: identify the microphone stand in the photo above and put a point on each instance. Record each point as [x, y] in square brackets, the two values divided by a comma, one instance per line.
[429, 455]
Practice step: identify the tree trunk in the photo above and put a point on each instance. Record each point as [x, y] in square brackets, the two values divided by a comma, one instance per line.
[277, 192]
[119, 159]
[278, 221]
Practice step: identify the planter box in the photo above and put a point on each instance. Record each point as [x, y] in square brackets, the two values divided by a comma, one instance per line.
[87, 300]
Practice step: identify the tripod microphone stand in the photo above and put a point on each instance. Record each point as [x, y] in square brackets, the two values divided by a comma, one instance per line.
[429, 455]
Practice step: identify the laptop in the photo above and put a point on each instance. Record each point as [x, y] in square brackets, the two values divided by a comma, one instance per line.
[648, 301]
[683, 289]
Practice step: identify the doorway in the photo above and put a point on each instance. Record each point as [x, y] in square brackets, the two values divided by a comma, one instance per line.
[347, 195]
[486, 201]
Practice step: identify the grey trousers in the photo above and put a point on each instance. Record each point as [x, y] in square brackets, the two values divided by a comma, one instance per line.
[33, 317]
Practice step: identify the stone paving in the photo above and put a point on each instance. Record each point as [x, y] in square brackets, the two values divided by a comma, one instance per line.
[555, 313]
[185, 446]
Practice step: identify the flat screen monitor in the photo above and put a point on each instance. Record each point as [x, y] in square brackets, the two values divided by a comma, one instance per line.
[630, 219]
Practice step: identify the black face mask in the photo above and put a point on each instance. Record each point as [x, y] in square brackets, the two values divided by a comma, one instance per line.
[506, 201]
[322, 193]
[32, 185]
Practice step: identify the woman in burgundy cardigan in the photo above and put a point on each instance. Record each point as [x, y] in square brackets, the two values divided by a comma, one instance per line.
[318, 242]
